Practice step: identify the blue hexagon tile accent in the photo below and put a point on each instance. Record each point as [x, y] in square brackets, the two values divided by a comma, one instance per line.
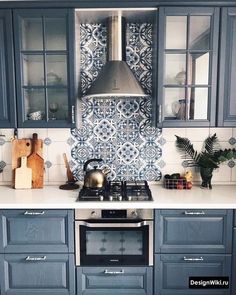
[232, 140]
[118, 130]
[47, 141]
[2, 141]
[231, 163]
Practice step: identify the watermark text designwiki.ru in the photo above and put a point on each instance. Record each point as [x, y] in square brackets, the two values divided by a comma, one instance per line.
[208, 282]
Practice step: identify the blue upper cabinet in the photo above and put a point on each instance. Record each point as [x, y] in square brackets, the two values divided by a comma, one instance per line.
[187, 68]
[7, 93]
[44, 54]
[227, 73]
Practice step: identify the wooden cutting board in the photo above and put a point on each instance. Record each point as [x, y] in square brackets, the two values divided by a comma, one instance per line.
[36, 163]
[24, 147]
[23, 175]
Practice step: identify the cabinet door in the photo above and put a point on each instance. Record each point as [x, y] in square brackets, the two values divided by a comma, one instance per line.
[172, 273]
[234, 263]
[36, 231]
[38, 274]
[44, 67]
[227, 89]
[193, 231]
[114, 280]
[7, 85]
[188, 48]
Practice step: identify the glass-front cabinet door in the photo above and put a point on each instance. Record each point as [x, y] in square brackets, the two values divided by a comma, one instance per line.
[44, 67]
[187, 66]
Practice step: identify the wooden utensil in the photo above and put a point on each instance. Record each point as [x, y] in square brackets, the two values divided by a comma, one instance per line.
[23, 175]
[20, 148]
[36, 163]
[69, 174]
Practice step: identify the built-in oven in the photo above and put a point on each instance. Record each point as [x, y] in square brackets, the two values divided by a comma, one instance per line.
[114, 237]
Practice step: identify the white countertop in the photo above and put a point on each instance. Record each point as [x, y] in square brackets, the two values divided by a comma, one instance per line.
[51, 197]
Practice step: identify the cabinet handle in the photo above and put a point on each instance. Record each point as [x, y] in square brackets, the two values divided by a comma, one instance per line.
[73, 114]
[29, 258]
[193, 259]
[194, 213]
[159, 113]
[34, 213]
[107, 272]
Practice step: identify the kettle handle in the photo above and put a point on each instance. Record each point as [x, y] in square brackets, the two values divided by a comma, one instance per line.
[89, 161]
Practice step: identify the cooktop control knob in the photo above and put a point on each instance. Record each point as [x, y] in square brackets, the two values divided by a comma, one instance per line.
[129, 198]
[120, 198]
[134, 214]
[110, 198]
[101, 197]
[93, 214]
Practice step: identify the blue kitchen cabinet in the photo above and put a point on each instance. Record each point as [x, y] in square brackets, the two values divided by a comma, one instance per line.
[187, 66]
[27, 231]
[37, 274]
[191, 242]
[227, 72]
[7, 78]
[234, 263]
[114, 280]
[44, 53]
[172, 272]
[193, 231]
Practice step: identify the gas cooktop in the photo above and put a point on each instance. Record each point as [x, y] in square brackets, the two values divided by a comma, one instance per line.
[117, 191]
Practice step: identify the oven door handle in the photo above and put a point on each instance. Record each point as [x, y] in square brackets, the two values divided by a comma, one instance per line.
[112, 225]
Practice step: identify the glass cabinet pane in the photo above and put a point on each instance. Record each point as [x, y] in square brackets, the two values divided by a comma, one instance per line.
[34, 103]
[33, 70]
[55, 34]
[32, 34]
[199, 68]
[57, 103]
[199, 32]
[176, 32]
[175, 65]
[174, 99]
[56, 70]
[198, 98]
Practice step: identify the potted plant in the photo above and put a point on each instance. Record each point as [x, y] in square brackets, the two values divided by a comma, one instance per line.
[208, 159]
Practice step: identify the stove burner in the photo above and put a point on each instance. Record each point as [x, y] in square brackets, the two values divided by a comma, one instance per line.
[118, 191]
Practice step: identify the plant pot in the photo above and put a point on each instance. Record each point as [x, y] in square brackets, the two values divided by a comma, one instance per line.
[206, 175]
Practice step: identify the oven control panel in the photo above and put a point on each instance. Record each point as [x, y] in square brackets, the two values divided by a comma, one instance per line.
[84, 214]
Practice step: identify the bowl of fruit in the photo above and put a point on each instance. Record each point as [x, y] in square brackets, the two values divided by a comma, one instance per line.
[178, 181]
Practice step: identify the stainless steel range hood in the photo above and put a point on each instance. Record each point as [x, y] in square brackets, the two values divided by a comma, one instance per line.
[115, 78]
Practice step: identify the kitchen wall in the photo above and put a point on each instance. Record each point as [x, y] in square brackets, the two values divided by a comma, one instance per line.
[117, 130]
[57, 141]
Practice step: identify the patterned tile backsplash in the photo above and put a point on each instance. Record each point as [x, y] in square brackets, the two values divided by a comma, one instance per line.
[118, 130]
[58, 141]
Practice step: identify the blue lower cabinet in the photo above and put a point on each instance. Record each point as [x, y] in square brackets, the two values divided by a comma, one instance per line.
[37, 274]
[193, 231]
[172, 272]
[37, 231]
[114, 281]
[234, 264]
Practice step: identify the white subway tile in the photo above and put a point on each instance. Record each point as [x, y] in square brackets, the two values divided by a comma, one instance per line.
[9, 134]
[7, 153]
[61, 134]
[56, 150]
[170, 154]
[197, 134]
[7, 174]
[169, 133]
[223, 134]
[57, 174]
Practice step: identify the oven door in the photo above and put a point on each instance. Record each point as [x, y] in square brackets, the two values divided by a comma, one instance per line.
[114, 243]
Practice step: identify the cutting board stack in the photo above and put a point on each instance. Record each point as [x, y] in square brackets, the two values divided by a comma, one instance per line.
[27, 163]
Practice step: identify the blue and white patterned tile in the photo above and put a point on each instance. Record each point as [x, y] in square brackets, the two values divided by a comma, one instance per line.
[150, 152]
[118, 130]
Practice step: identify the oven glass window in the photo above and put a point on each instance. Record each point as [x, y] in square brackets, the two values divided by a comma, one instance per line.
[107, 242]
